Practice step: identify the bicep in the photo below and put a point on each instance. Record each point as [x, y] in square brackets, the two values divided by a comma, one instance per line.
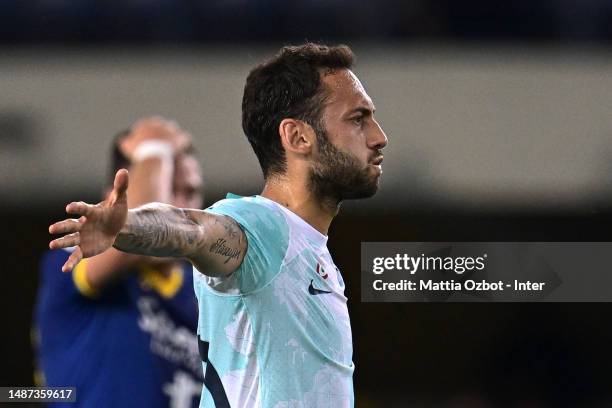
[222, 246]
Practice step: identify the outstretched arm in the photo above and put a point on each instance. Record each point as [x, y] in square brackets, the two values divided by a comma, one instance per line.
[214, 244]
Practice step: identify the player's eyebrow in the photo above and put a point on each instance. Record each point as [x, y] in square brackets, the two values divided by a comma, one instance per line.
[363, 110]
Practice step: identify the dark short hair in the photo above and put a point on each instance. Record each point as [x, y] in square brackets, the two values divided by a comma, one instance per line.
[287, 86]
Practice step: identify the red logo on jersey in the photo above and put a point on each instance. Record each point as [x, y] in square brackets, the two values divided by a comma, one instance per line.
[321, 272]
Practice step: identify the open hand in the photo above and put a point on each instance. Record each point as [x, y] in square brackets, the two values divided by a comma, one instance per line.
[95, 231]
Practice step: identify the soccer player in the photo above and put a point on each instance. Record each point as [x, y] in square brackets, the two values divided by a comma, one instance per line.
[273, 328]
[122, 327]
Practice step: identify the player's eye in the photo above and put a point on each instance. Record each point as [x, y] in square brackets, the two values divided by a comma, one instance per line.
[358, 120]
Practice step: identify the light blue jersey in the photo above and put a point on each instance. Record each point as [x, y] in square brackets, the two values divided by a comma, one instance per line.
[275, 333]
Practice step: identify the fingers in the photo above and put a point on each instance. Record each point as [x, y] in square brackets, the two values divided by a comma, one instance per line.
[74, 259]
[157, 128]
[183, 142]
[66, 241]
[121, 182]
[154, 122]
[79, 207]
[67, 226]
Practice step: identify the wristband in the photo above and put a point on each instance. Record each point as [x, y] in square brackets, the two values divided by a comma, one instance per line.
[153, 148]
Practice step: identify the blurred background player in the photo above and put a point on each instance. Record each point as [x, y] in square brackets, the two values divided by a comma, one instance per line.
[121, 327]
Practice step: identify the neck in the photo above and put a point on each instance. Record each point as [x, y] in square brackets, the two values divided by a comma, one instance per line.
[295, 195]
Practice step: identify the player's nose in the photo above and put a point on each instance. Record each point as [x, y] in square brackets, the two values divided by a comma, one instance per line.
[378, 139]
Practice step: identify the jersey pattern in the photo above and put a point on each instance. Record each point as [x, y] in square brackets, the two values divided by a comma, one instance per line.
[275, 333]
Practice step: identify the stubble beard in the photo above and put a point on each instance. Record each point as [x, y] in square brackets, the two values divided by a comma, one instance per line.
[339, 175]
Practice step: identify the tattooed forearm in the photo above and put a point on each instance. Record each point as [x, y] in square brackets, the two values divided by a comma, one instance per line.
[159, 230]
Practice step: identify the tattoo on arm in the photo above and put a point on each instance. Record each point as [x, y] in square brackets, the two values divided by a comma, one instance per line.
[222, 247]
[159, 230]
[215, 244]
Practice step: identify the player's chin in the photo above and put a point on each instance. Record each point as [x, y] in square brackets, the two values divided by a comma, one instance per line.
[370, 192]
[370, 188]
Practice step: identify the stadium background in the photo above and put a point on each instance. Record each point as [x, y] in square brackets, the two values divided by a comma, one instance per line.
[500, 123]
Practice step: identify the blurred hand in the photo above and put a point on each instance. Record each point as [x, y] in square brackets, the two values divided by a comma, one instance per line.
[95, 231]
[155, 128]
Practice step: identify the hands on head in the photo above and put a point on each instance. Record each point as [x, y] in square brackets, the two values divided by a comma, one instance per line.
[95, 231]
[155, 128]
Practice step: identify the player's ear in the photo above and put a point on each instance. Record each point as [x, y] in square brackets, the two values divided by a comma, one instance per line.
[296, 136]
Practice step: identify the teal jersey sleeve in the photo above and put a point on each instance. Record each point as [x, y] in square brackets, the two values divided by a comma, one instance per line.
[267, 235]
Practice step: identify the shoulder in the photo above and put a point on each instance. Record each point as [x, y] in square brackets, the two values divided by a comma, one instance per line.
[237, 203]
[267, 234]
[252, 213]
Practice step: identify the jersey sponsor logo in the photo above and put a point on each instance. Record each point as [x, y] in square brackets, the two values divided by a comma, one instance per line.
[314, 291]
[169, 340]
[182, 390]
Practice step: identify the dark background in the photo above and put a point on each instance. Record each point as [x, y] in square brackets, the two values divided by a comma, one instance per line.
[166, 21]
[531, 355]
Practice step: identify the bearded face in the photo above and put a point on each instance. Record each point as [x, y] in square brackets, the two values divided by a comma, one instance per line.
[338, 174]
